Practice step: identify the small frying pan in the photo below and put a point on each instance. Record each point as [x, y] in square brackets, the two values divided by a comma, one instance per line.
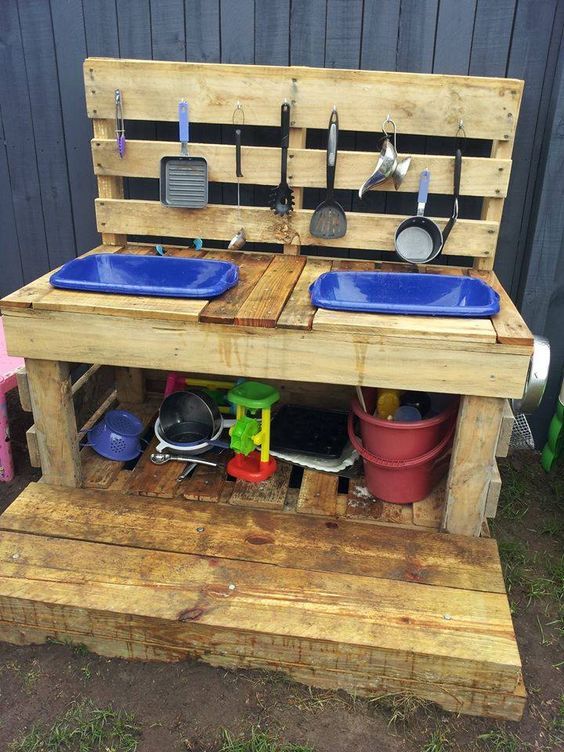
[418, 239]
[184, 179]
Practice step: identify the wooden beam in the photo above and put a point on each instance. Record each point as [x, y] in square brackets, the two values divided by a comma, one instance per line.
[55, 422]
[109, 186]
[130, 384]
[472, 460]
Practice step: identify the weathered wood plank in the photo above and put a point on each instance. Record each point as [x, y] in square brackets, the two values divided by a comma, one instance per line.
[362, 505]
[367, 231]
[508, 323]
[318, 493]
[298, 312]
[224, 309]
[494, 491]
[270, 494]
[472, 459]
[480, 177]
[257, 535]
[267, 299]
[331, 358]
[193, 597]
[428, 105]
[55, 423]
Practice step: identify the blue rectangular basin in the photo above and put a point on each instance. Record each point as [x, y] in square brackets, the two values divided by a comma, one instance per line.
[410, 294]
[161, 276]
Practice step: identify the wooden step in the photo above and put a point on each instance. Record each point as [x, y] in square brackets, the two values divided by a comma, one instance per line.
[333, 603]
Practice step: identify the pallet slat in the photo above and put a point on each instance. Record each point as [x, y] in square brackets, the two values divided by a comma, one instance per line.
[267, 299]
[470, 237]
[298, 312]
[422, 104]
[480, 176]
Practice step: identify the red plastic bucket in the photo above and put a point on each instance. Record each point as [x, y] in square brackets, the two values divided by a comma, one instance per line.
[403, 481]
[398, 440]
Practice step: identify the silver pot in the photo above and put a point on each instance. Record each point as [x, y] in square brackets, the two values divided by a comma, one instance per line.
[536, 378]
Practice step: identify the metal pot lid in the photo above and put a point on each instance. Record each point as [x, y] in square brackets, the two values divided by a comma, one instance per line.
[536, 378]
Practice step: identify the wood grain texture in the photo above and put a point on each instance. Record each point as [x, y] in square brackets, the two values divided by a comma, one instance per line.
[295, 541]
[472, 460]
[267, 299]
[298, 312]
[508, 323]
[224, 309]
[494, 491]
[480, 177]
[318, 493]
[55, 422]
[367, 231]
[270, 494]
[331, 358]
[426, 105]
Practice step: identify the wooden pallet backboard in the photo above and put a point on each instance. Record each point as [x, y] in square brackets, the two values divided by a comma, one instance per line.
[421, 104]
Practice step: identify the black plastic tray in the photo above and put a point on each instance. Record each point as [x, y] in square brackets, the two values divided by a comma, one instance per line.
[318, 433]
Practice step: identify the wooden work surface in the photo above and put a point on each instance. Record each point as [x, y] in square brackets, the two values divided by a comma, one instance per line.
[272, 304]
[337, 604]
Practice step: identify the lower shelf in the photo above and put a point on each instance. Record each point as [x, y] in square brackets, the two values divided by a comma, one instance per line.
[331, 602]
[291, 489]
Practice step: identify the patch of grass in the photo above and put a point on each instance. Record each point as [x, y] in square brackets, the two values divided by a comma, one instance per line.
[500, 740]
[513, 555]
[312, 700]
[259, 742]
[83, 728]
[513, 498]
[400, 706]
[78, 648]
[437, 743]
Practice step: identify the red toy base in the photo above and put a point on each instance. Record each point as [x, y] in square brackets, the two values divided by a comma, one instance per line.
[251, 468]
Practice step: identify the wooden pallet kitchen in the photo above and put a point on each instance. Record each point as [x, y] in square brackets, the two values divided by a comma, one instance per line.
[302, 573]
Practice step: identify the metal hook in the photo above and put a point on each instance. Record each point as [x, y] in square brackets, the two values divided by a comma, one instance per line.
[238, 108]
[385, 132]
[460, 135]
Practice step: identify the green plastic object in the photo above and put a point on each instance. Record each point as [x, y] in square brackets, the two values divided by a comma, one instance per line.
[254, 395]
[242, 435]
[554, 447]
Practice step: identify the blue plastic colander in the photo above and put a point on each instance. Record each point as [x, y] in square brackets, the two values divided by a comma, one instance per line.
[117, 436]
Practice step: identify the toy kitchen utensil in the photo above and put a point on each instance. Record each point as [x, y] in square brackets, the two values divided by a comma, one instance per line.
[161, 458]
[387, 165]
[536, 378]
[238, 240]
[282, 197]
[184, 179]
[329, 219]
[418, 239]
[120, 125]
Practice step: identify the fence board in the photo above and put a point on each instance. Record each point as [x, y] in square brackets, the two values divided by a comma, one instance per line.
[43, 87]
[70, 42]
[20, 146]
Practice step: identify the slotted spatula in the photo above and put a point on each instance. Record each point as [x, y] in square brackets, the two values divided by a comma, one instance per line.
[282, 197]
[329, 219]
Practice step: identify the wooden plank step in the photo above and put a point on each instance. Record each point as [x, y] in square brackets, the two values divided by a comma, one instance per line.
[318, 493]
[258, 535]
[393, 627]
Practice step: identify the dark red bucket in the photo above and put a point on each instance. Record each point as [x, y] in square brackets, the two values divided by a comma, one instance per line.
[404, 481]
[398, 440]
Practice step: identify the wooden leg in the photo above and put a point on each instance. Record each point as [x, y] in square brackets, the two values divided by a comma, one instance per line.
[130, 384]
[55, 422]
[471, 464]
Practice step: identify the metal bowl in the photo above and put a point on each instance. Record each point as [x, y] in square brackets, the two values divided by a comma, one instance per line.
[536, 378]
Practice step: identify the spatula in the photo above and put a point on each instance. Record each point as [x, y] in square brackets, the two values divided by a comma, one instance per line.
[282, 197]
[329, 219]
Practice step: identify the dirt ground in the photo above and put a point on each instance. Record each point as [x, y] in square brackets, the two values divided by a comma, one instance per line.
[187, 706]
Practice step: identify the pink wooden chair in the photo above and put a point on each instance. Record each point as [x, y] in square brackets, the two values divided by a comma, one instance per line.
[8, 368]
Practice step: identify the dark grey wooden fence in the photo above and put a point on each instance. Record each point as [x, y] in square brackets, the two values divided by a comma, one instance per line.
[46, 182]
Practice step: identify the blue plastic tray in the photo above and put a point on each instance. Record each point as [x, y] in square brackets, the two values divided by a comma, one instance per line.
[162, 276]
[413, 294]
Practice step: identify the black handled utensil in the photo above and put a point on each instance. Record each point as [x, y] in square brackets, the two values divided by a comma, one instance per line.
[329, 219]
[282, 197]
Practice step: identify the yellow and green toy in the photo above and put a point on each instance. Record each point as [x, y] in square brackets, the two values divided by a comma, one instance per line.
[250, 435]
